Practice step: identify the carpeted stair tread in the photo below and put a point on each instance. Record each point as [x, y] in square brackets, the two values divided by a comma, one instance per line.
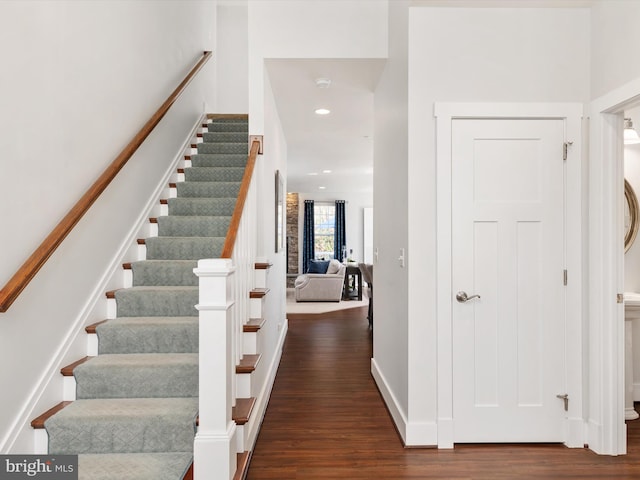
[214, 174]
[208, 189]
[230, 126]
[159, 301]
[224, 147]
[201, 206]
[123, 425]
[218, 160]
[148, 335]
[226, 137]
[183, 248]
[193, 226]
[134, 466]
[164, 273]
[138, 375]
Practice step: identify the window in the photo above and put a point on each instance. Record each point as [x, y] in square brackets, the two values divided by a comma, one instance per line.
[324, 229]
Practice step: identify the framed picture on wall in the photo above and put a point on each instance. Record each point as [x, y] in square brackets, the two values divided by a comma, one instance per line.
[279, 212]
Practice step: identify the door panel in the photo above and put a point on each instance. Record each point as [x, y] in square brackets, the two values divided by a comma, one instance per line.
[508, 247]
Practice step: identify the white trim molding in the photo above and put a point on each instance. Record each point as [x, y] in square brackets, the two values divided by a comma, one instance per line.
[607, 433]
[394, 407]
[572, 115]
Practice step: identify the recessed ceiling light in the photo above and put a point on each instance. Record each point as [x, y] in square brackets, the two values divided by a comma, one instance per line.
[321, 188]
[323, 111]
[312, 173]
[323, 82]
[326, 171]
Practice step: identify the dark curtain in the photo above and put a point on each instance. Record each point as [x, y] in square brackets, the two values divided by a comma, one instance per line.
[340, 235]
[308, 248]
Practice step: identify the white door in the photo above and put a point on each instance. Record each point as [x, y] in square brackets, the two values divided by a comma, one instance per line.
[508, 248]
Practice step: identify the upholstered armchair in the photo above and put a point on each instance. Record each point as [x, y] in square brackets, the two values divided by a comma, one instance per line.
[321, 287]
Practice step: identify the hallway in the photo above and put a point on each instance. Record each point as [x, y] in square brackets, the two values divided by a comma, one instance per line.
[326, 420]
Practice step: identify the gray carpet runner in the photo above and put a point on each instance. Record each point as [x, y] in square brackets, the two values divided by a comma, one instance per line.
[137, 401]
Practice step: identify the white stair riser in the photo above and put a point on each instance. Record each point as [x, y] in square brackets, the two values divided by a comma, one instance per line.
[243, 385]
[127, 278]
[69, 389]
[256, 307]
[261, 278]
[40, 441]
[111, 308]
[92, 344]
[251, 343]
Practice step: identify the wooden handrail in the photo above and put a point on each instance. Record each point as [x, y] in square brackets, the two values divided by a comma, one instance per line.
[34, 263]
[232, 233]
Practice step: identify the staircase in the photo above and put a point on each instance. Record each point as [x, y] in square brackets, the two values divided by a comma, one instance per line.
[135, 411]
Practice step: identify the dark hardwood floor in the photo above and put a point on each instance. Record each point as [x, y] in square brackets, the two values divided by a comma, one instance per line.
[326, 420]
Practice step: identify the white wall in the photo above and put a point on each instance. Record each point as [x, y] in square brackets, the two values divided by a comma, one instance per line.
[80, 79]
[390, 227]
[473, 55]
[354, 214]
[615, 37]
[231, 57]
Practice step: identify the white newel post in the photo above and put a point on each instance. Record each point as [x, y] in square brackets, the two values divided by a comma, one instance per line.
[215, 442]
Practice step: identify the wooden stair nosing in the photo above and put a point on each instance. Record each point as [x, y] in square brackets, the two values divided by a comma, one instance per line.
[141, 241]
[248, 363]
[173, 185]
[242, 462]
[181, 170]
[164, 201]
[111, 294]
[253, 325]
[38, 422]
[189, 474]
[68, 370]
[92, 328]
[263, 265]
[242, 411]
[227, 116]
[258, 292]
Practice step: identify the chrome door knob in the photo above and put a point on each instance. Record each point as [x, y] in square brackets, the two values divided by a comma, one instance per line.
[462, 297]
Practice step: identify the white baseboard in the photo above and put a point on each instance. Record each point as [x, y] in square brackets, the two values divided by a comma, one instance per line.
[576, 432]
[398, 416]
[636, 392]
[422, 434]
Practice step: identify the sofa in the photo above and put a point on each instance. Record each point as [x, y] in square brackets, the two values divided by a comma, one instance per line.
[321, 287]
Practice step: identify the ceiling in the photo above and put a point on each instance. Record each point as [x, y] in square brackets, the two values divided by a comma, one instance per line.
[334, 151]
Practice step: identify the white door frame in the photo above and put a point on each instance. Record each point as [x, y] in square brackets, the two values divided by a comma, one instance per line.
[607, 433]
[572, 114]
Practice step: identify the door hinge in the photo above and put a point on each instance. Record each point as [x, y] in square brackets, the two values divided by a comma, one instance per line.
[565, 277]
[565, 398]
[565, 148]
[620, 297]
